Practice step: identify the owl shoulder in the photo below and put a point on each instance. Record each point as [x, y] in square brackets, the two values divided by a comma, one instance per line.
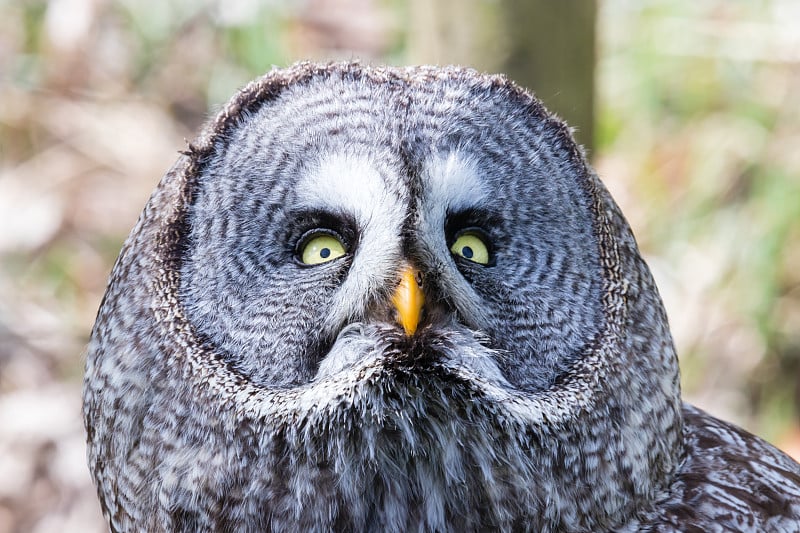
[729, 480]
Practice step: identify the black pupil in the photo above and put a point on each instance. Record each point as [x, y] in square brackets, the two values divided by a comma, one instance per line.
[325, 253]
[467, 252]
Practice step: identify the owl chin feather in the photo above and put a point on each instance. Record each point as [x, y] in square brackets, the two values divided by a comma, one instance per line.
[413, 450]
[394, 434]
[445, 343]
[399, 434]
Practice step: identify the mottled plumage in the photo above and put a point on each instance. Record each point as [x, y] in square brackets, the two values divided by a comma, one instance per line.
[231, 387]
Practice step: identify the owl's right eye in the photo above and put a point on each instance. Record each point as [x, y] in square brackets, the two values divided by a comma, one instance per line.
[471, 247]
[320, 247]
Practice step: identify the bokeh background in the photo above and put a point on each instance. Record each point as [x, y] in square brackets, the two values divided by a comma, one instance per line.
[690, 109]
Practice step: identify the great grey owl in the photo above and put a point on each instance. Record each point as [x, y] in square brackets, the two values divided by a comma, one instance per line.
[398, 299]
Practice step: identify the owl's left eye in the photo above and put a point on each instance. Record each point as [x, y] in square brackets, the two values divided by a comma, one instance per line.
[320, 247]
[472, 246]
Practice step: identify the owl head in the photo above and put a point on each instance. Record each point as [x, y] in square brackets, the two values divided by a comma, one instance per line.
[380, 298]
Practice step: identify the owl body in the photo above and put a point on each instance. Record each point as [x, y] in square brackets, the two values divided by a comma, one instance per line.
[399, 299]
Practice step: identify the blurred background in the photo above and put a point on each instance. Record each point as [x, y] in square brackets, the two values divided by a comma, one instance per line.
[689, 109]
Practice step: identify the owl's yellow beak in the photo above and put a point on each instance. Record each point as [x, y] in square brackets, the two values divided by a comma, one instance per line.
[408, 300]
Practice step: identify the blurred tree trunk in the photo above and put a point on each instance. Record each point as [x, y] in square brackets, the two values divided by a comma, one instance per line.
[547, 46]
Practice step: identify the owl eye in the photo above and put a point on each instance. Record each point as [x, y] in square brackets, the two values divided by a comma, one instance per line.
[319, 247]
[471, 246]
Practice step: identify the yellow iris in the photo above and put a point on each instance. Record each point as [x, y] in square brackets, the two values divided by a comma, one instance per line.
[321, 249]
[471, 247]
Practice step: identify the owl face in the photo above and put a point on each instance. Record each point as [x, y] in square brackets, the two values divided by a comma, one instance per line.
[310, 212]
[380, 299]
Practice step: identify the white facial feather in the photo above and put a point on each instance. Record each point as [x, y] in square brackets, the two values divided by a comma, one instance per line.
[451, 184]
[353, 185]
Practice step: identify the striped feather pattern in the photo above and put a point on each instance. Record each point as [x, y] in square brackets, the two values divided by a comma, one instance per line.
[230, 388]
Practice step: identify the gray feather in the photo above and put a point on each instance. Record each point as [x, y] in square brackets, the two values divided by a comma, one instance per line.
[230, 388]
